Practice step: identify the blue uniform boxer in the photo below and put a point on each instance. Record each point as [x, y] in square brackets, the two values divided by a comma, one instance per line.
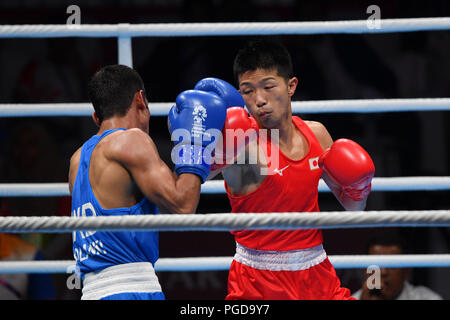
[113, 265]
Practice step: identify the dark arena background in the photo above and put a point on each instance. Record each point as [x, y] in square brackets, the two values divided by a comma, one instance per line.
[329, 67]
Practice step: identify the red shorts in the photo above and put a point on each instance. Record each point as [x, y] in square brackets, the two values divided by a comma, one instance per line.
[317, 282]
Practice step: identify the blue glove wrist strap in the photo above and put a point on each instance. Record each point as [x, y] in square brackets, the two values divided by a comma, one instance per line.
[191, 159]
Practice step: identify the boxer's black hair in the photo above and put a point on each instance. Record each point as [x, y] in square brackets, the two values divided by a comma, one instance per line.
[112, 89]
[263, 54]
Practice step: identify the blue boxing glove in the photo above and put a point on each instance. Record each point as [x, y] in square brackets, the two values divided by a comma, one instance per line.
[195, 122]
[223, 89]
[239, 128]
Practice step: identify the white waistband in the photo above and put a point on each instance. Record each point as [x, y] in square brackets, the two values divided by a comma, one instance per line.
[292, 260]
[129, 277]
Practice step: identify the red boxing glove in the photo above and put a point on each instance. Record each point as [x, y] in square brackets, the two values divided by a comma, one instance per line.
[347, 163]
[239, 129]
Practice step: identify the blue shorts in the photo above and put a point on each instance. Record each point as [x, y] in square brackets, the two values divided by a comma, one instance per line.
[136, 296]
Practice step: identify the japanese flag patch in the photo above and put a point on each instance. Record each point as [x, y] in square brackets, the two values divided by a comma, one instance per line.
[314, 163]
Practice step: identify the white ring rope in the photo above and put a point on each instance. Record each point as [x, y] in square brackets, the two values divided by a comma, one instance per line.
[227, 221]
[217, 186]
[298, 107]
[223, 29]
[223, 263]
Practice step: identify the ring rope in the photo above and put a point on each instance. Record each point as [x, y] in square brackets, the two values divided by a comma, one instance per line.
[298, 107]
[227, 221]
[223, 263]
[222, 29]
[217, 186]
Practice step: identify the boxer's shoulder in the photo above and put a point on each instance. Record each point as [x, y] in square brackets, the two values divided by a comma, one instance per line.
[321, 133]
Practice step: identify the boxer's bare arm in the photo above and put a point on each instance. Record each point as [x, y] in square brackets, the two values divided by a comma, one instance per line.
[73, 168]
[246, 177]
[137, 154]
[325, 140]
[136, 151]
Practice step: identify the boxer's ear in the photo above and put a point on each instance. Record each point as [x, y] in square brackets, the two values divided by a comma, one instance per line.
[96, 119]
[141, 99]
[292, 86]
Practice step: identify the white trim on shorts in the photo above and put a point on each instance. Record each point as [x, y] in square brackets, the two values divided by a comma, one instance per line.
[122, 278]
[292, 260]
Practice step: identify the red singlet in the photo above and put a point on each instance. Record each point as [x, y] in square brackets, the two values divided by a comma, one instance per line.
[291, 188]
[283, 264]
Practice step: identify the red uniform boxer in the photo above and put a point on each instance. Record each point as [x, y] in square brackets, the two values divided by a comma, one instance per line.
[283, 264]
[291, 156]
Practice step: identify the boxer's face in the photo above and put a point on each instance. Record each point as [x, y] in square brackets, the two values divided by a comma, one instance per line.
[267, 96]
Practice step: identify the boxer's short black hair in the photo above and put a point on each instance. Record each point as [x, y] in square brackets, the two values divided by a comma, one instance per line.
[112, 89]
[263, 54]
[389, 238]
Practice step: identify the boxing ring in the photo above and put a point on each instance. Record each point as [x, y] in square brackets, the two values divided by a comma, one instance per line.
[222, 222]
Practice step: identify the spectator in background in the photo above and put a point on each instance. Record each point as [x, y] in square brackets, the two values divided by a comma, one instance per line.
[394, 284]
